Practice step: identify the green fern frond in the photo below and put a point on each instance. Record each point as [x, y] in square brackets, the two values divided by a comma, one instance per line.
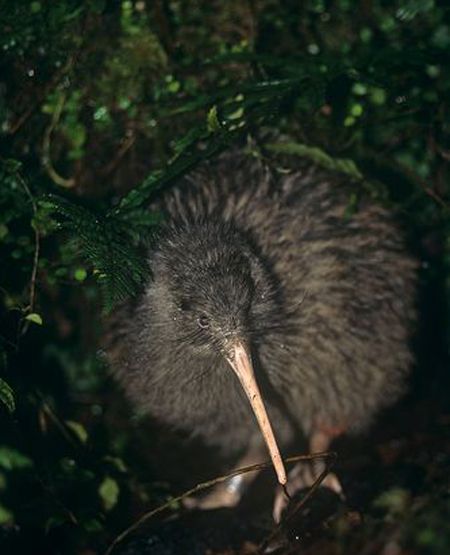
[109, 244]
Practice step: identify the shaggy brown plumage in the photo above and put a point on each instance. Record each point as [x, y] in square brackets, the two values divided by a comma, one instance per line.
[324, 300]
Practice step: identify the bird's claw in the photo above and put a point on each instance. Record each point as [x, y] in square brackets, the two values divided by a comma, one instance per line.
[302, 476]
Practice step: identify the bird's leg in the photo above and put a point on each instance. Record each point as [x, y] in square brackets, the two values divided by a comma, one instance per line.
[305, 473]
[229, 493]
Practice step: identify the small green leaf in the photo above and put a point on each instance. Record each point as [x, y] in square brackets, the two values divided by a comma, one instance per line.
[394, 501]
[101, 113]
[378, 96]
[349, 121]
[54, 521]
[92, 525]
[35, 318]
[11, 459]
[356, 110]
[7, 396]
[173, 86]
[80, 274]
[236, 114]
[116, 462]
[3, 231]
[109, 493]
[212, 120]
[78, 429]
[6, 516]
[359, 89]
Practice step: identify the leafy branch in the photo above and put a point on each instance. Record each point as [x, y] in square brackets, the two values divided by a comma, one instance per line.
[107, 243]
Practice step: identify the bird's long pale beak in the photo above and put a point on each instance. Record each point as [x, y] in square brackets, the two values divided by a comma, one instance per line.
[240, 360]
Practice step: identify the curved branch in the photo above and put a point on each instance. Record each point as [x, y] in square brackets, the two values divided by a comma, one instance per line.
[67, 183]
[205, 485]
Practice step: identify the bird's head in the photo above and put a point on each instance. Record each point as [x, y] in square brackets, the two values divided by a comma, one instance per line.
[215, 294]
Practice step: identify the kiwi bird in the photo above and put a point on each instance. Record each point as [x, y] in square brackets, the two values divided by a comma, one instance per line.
[270, 311]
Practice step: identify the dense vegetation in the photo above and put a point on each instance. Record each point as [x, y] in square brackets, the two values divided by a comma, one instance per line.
[103, 104]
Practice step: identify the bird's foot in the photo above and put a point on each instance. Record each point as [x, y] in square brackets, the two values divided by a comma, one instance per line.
[226, 494]
[303, 476]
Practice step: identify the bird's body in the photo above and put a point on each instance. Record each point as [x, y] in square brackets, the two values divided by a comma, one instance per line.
[324, 301]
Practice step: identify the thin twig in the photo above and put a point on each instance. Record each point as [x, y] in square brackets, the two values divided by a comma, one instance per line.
[34, 270]
[127, 143]
[205, 485]
[57, 421]
[67, 183]
[422, 183]
[71, 516]
[301, 503]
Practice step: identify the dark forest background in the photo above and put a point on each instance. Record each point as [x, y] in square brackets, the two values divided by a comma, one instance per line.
[103, 104]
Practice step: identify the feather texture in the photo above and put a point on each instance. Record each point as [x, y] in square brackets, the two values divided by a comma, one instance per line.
[325, 301]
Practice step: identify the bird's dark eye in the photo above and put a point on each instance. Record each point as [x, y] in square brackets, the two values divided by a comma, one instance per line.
[203, 321]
